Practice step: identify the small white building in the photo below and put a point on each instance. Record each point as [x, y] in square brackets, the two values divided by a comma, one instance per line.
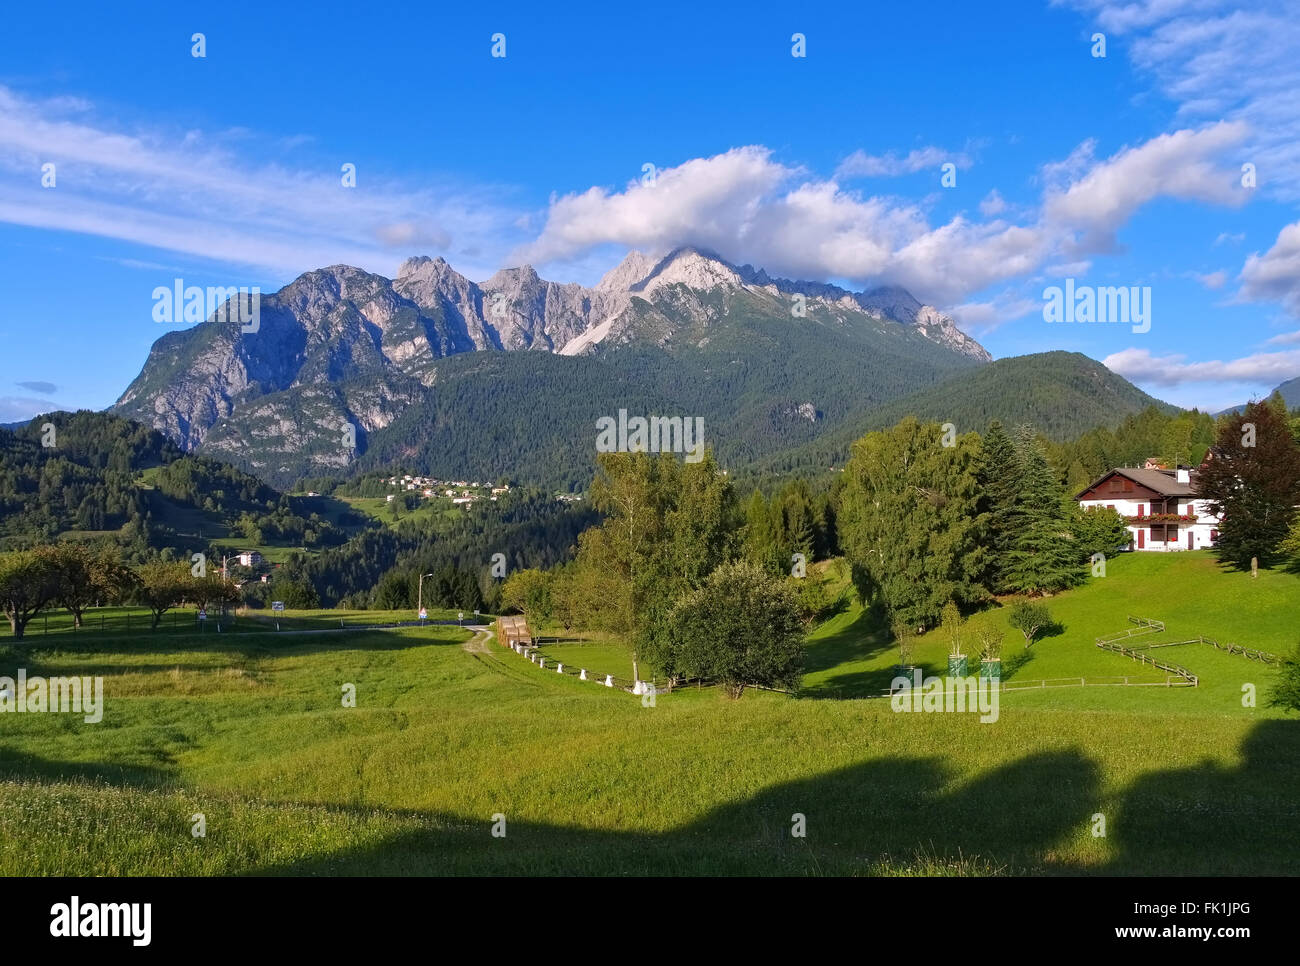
[1160, 506]
[250, 558]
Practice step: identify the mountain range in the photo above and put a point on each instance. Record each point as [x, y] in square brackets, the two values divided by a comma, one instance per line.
[766, 361]
[350, 371]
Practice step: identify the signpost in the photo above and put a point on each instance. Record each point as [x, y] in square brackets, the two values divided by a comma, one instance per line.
[424, 614]
[277, 605]
[460, 617]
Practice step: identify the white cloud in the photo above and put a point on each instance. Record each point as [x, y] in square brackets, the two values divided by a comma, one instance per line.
[193, 193]
[984, 317]
[993, 204]
[859, 164]
[1181, 165]
[15, 409]
[1275, 275]
[751, 208]
[1173, 370]
[1213, 280]
[1226, 238]
[1220, 59]
[1286, 338]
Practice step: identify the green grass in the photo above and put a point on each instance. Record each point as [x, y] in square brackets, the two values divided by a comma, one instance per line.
[250, 731]
[597, 656]
[136, 622]
[380, 509]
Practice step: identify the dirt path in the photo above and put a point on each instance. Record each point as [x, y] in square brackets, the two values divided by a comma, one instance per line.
[478, 644]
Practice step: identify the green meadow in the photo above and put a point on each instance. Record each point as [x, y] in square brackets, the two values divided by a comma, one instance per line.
[453, 735]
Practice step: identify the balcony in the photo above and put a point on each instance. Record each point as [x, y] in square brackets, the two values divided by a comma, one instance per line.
[1161, 518]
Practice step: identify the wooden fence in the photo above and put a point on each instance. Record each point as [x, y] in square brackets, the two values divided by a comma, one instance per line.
[1146, 626]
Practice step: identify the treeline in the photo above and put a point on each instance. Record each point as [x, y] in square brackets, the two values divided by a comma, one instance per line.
[103, 476]
[380, 568]
[1177, 439]
[931, 525]
[665, 570]
[1061, 394]
[77, 576]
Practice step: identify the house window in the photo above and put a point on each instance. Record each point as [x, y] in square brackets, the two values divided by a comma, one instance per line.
[1128, 485]
[1115, 485]
[1172, 534]
[1214, 537]
[1142, 509]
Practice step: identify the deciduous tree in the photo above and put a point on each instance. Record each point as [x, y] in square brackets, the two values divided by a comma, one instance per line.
[740, 628]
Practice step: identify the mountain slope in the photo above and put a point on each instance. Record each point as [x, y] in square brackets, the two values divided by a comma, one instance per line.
[761, 386]
[1290, 391]
[108, 478]
[1061, 394]
[342, 354]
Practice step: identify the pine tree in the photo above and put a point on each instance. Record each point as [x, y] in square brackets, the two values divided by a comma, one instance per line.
[999, 485]
[1042, 556]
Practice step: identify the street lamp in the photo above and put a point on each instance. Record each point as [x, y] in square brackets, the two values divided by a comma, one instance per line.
[419, 604]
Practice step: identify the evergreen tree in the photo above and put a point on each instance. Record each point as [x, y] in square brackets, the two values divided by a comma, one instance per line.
[1042, 556]
[762, 543]
[999, 478]
[910, 524]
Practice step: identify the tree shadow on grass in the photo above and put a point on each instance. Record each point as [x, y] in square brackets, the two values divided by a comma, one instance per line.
[1210, 820]
[870, 683]
[246, 646]
[889, 816]
[1016, 662]
[864, 638]
[20, 766]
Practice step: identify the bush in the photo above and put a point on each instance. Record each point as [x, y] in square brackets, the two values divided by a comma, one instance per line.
[1030, 618]
[1286, 691]
[741, 628]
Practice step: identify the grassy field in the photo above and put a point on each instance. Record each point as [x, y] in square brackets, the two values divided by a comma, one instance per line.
[451, 729]
[133, 622]
[379, 509]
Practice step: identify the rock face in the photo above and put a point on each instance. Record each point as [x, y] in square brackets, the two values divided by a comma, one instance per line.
[341, 347]
[688, 279]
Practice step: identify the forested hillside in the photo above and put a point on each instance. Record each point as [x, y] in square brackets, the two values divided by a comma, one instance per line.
[1059, 394]
[97, 476]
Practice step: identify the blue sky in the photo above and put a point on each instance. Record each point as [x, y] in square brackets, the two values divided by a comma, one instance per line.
[1122, 170]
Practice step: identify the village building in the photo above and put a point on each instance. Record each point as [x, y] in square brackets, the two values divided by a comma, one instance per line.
[250, 558]
[1161, 507]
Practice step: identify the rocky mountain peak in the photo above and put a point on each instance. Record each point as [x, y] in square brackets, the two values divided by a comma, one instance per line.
[633, 268]
[692, 267]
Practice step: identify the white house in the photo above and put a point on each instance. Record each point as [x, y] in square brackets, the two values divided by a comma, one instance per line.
[250, 558]
[1161, 507]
